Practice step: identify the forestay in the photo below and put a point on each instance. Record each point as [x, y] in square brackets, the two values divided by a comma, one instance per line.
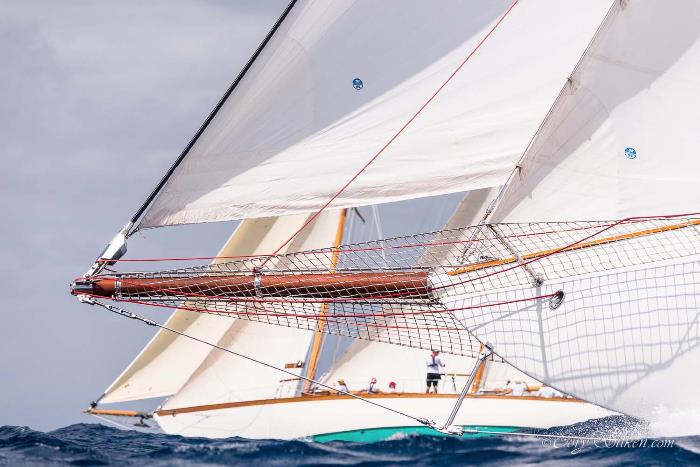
[337, 81]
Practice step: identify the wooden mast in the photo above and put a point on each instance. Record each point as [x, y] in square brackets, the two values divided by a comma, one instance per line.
[312, 362]
[476, 385]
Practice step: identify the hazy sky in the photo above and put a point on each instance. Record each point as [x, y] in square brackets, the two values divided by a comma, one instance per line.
[98, 98]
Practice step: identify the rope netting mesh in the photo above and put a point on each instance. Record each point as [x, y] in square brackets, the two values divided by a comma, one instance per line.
[412, 290]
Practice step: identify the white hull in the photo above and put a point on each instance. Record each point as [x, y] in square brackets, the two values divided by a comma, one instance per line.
[307, 417]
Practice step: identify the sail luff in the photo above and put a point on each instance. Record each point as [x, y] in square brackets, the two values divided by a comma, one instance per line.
[218, 377]
[137, 381]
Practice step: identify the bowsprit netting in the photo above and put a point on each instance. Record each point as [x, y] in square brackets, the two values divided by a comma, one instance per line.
[413, 290]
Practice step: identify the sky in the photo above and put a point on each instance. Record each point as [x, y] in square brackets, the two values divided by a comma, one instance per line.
[97, 100]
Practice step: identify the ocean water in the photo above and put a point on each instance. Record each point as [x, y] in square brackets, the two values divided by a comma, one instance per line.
[92, 444]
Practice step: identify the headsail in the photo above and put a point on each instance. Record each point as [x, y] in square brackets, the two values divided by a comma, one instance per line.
[336, 81]
[169, 361]
[619, 142]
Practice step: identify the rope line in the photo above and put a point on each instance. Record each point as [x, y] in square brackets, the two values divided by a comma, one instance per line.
[134, 316]
[353, 249]
[127, 314]
[265, 312]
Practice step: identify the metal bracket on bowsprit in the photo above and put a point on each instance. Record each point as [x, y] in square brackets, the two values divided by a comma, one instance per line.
[112, 252]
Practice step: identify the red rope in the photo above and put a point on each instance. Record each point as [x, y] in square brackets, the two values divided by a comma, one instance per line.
[396, 135]
[351, 249]
[604, 228]
[265, 312]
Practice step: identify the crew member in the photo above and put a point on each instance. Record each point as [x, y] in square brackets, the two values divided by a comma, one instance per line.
[433, 365]
[372, 388]
[342, 386]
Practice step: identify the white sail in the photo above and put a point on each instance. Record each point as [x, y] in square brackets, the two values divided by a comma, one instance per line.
[221, 377]
[620, 140]
[168, 361]
[619, 143]
[338, 80]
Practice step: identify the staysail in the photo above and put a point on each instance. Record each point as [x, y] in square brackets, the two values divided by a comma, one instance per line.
[337, 81]
[169, 361]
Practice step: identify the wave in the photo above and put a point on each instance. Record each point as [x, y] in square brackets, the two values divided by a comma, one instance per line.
[95, 445]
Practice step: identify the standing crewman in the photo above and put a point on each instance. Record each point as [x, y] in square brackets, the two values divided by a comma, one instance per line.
[433, 365]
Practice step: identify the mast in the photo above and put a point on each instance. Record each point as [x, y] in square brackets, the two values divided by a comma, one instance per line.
[479, 376]
[312, 362]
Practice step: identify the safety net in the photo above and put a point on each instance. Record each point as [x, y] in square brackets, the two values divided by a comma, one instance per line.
[423, 290]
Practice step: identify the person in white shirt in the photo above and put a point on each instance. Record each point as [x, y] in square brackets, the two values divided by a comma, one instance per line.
[516, 388]
[546, 391]
[433, 364]
[372, 388]
[342, 386]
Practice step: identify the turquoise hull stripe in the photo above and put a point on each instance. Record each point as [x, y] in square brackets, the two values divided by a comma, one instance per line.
[372, 435]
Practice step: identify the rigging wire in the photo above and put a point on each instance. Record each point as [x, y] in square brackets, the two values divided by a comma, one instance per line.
[127, 314]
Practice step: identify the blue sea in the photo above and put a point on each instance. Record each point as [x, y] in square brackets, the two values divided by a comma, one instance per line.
[92, 444]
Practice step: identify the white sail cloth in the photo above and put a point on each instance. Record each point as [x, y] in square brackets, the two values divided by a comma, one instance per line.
[621, 141]
[169, 361]
[339, 79]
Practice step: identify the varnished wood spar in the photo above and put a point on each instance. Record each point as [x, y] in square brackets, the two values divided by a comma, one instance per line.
[309, 398]
[317, 344]
[118, 413]
[578, 246]
[330, 285]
